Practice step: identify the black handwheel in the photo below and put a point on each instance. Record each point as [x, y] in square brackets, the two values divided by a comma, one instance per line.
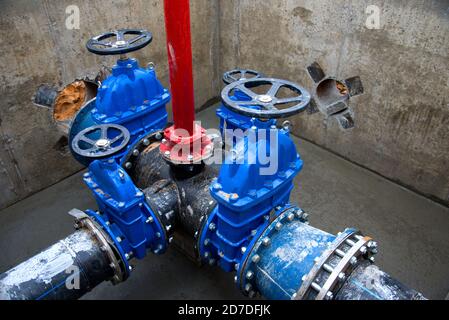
[240, 74]
[266, 105]
[119, 42]
[100, 141]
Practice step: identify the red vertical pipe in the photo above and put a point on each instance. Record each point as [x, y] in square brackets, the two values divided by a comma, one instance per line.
[179, 50]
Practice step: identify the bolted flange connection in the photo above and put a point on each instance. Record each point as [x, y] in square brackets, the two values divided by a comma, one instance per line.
[246, 273]
[334, 266]
[119, 267]
[129, 160]
[178, 147]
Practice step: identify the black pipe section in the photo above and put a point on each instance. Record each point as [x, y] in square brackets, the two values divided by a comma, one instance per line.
[368, 282]
[151, 173]
[149, 167]
[164, 199]
[65, 271]
[196, 201]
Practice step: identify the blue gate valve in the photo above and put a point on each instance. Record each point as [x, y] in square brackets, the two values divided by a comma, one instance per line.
[263, 192]
[123, 212]
[131, 96]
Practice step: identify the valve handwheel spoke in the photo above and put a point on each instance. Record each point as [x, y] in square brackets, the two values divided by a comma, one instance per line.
[87, 140]
[274, 89]
[99, 141]
[268, 105]
[248, 92]
[240, 74]
[104, 132]
[115, 42]
[114, 140]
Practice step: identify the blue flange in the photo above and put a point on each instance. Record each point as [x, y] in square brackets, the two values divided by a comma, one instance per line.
[263, 259]
[277, 263]
[82, 120]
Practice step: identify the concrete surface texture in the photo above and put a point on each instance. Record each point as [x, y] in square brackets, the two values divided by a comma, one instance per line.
[410, 229]
[37, 48]
[401, 122]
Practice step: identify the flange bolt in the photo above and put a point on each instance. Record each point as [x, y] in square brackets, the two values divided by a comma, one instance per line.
[266, 241]
[255, 258]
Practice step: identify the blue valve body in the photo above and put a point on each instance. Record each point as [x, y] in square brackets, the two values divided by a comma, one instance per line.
[123, 211]
[132, 97]
[246, 196]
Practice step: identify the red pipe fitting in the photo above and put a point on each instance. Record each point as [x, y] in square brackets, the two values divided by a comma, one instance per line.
[185, 141]
[178, 148]
[179, 51]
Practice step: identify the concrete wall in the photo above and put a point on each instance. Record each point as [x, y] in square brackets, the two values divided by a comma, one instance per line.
[37, 48]
[402, 121]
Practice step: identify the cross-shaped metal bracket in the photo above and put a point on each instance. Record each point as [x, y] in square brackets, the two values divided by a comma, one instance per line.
[331, 96]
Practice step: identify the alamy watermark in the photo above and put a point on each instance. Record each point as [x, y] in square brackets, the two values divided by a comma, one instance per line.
[253, 146]
[72, 282]
[373, 19]
[72, 21]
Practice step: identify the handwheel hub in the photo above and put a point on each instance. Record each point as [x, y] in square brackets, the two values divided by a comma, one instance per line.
[102, 143]
[120, 43]
[264, 98]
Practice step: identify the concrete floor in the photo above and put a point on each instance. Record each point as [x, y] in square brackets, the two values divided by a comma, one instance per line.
[412, 231]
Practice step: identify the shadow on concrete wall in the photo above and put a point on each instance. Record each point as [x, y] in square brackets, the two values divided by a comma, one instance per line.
[401, 122]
